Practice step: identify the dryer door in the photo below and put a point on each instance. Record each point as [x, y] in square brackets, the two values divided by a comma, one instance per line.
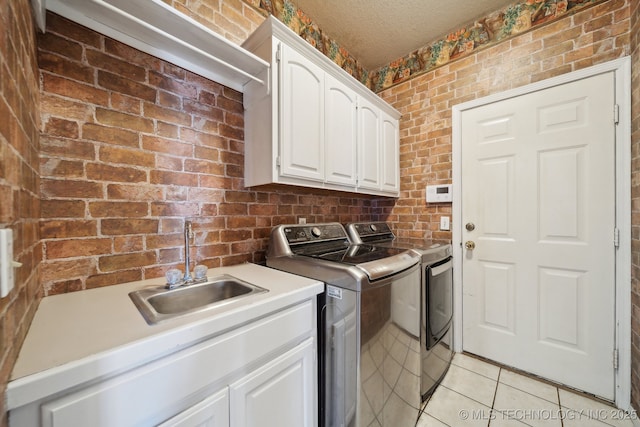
[439, 300]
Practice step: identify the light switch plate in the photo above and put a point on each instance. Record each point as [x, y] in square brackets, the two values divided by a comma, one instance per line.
[6, 262]
[444, 223]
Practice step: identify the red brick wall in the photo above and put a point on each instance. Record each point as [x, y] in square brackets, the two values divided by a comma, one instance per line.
[593, 36]
[235, 20]
[132, 146]
[19, 210]
[635, 206]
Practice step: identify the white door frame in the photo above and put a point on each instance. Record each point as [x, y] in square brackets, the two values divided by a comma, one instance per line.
[622, 69]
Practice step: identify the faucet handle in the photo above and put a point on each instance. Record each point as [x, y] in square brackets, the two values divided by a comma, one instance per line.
[200, 271]
[173, 277]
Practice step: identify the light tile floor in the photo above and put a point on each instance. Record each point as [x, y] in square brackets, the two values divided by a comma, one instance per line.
[477, 393]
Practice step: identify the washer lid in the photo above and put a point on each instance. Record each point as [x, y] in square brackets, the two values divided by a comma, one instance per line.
[328, 244]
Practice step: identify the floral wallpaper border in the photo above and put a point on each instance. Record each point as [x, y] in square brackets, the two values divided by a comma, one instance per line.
[490, 30]
[515, 19]
[301, 24]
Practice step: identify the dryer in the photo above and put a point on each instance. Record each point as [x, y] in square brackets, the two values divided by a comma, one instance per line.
[436, 296]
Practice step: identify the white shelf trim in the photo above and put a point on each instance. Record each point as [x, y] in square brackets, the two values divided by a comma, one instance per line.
[160, 30]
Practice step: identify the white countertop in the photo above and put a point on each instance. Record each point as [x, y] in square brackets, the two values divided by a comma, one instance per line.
[80, 336]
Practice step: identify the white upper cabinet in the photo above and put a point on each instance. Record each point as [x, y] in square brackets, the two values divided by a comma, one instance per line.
[301, 118]
[378, 136]
[390, 153]
[314, 125]
[341, 132]
[368, 146]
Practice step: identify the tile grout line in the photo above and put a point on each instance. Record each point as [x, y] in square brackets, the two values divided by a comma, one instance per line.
[495, 394]
[560, 408]
[474, 372]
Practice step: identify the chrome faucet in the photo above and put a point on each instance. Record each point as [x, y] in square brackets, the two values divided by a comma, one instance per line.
[188, 234]
[200, 271]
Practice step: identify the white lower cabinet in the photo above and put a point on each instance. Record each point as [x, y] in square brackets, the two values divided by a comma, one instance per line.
[261, 374]
[211, 412]
[277, 394]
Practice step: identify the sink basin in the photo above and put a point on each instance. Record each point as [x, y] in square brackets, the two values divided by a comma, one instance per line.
[158, 303]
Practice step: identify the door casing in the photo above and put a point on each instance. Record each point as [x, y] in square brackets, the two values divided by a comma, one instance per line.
[622, 69]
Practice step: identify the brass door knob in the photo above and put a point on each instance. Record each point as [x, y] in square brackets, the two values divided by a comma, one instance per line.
[470, 245]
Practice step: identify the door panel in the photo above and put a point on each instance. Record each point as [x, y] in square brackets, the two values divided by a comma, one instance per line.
[538, 182]
[341, 131]
[280, 393]
[561, 300]
[302, 137]
[562, 198]
[390, 154]
[368, 146]
[496, 174]
[498, 290]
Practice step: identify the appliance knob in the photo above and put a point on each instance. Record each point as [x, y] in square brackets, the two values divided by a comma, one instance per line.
[373, 227]
[316, 232]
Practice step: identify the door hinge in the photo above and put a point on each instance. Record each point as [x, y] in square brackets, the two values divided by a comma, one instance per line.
[616, 356]
[616, 237]
[616, 114]
[278, 53]
[278, 161]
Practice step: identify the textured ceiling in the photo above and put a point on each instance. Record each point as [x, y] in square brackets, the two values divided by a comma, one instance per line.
[377, 32]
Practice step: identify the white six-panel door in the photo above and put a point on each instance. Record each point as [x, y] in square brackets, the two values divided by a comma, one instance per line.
[538, 203]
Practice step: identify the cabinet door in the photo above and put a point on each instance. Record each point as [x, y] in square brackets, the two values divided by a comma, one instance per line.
[281, 393]
[211, 412]
[340, 133]
[301, 116]
[368, 146]
[390, 154]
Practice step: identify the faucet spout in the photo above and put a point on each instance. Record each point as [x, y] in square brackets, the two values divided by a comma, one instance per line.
[188, 234]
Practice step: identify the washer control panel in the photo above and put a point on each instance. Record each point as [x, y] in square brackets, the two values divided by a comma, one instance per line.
[313, 233]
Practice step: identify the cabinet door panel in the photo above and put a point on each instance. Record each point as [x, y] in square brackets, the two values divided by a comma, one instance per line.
[368, 146]
[211, 412]
[390, 154]
[340, 133]
[282, 393]
[302, 118]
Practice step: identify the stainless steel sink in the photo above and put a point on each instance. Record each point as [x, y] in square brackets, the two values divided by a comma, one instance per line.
[158, 303]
